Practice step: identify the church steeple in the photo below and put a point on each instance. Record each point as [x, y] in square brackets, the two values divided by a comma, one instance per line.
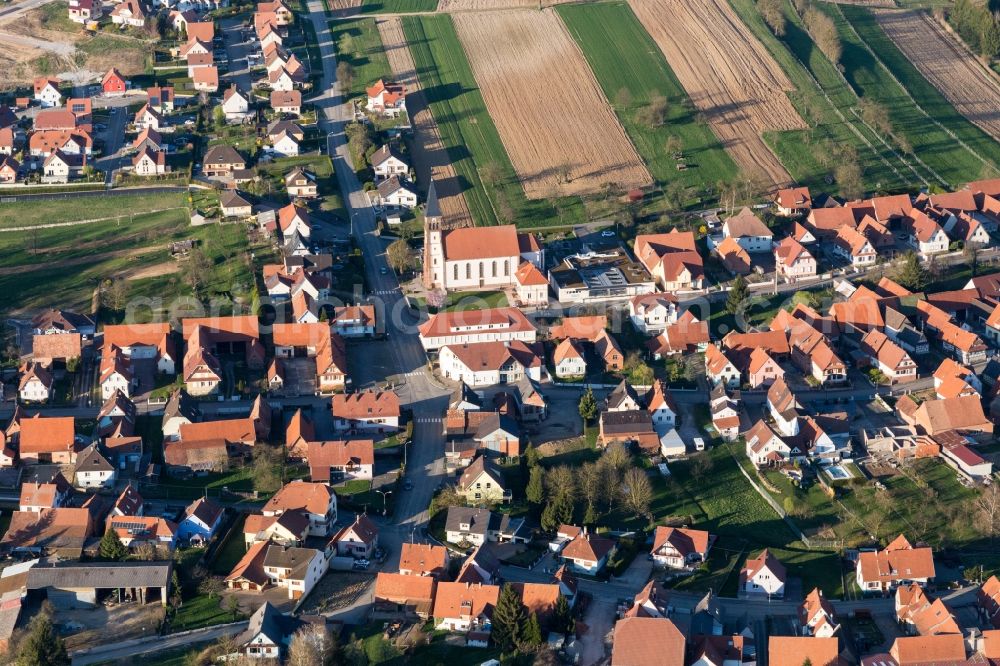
[433, 248]
[432, 212]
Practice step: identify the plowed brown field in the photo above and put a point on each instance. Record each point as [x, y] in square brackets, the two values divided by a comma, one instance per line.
[728, 74]
[559, 131]
[429, 154]
[972, 90]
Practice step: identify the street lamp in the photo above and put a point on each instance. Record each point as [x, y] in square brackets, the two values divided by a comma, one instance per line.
[383, 493]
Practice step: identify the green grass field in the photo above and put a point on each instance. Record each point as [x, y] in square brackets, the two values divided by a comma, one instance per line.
[30, 212]
[395, 6]
[358, 43]
[825, 102]
[870, 77]
[71, 261]
[624, 57]
[468, 131]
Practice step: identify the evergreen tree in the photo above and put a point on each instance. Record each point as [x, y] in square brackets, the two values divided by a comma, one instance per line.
[911, 273]
[508, 619]
[562, 617]
[588, 407]
[111, 547]
[531, 455]
[531, 634]
[535, 489]
[41, 646]
[738, 294]
[559, 511]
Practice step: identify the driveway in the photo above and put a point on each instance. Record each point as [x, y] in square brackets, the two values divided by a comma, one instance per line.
[237, 50]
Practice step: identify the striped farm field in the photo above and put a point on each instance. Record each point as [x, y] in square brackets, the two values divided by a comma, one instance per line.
[559, 130]
[623, 56]
[950, 146]
[731, 78]
[488, 179]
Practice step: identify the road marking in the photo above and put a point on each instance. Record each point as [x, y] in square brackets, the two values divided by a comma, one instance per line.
[414, 373]
[386, 292]
[428, 419]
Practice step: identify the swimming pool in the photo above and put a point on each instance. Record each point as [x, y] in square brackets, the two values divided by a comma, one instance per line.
[837, 472]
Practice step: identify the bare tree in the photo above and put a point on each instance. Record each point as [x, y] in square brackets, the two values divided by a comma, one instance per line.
[616, 456]
[399, 255]
[824, 33]
[114, 294]
[561, 482]
[988, 504]
[637, 490]
[772, 13]
[311, 646]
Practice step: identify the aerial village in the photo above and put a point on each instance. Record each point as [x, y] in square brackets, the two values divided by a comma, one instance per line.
[764, 438]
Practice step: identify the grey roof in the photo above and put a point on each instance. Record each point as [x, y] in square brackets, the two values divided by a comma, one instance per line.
[433, 208]
[623, 391]
[478, 519]
[496, 421]
[223, 154]
[390, 186]
[232, 199]
[630, 421]
[384, 153]
[204, 510]
[486, 558]
[294, 243]
[271, 622]
[181, 404]
[481, 464]
[298, 172]
[99, 575]
[464, 393]
[92, 460]
[290, 557]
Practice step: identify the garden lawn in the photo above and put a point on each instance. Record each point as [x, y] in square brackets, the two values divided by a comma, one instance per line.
[30, 212]
[200, 611]
[318, 165]
[230, 553]
[623, 56]
[871, 78]
[358, 43]
[469, 134]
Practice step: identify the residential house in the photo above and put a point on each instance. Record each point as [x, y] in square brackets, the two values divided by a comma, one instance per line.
[316, 499]
[569, 359]
[286, 101]
[399, 594]
[268, 634]
[386, 98]
[890, 359]
[354, 321]
[129, 13]
[588, 553]
[394, 193]
[466, 608]
[300, 183]
[939, 649]
[919, 614]
[47, 349]
[233, 205]
[817, 617]
[688, 335]
[952, 380]
[964, 414]
[201, 521]
[235, 104]
[222, 160]
[792, 201]
[340, 460]
[531, 286]
[748, 231]
[647, 641]
[924, 234]
[36, 383]
[149, 162]
[491, 363]
[763, 575]
[478, 526]
[148, 117]
[417, 559]
[9, 168]
[763, 370]
[672, 259]
[366, 411]
[115, 373]
[36, 496]
[47, 92]
[48, 440]
[294, 219]
[84, 11]
[144, 341]
[680, 548]
[899, 563]
[793, 261]
[387, 162]
[798, 650]
[719, 369]
[161, 98]
[358, 540]
[206, 79]
[725, 414]
[93, 470]
[651, 313]
[854, 247]
[482, 482]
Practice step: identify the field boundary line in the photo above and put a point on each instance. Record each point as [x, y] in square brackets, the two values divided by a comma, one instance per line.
[53, 225]
[882, 64]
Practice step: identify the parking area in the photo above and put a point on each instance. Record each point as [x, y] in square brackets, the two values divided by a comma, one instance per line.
[300, 376]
